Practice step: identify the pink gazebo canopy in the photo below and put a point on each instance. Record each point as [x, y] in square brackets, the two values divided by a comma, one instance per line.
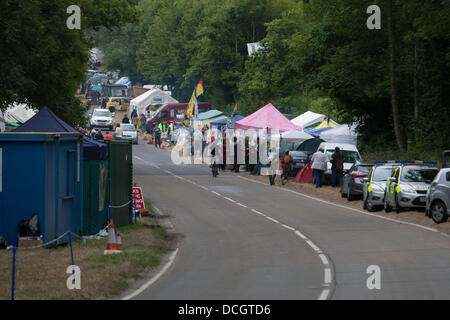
[267, 117]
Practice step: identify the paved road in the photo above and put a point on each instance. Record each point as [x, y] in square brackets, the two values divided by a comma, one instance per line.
[246, 240]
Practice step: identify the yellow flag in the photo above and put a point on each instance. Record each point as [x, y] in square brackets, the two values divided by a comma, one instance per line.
[197, 91]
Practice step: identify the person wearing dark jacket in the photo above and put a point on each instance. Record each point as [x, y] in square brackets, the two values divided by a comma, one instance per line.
[99, 135]
[337, 167]
[125, 119]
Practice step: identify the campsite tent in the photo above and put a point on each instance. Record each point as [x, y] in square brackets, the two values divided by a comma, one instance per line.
[267, 117]
[223, 122]
[342, 134]
[151, 97]
[209, 116]
[295, 136]
[307, 119]
[18, 113]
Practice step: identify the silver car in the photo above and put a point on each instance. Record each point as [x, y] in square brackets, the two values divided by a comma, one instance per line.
[438, 197]
[408, 185]
[129, 132]
[375, 184]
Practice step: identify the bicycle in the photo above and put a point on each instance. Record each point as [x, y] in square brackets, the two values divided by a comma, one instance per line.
[214, 169]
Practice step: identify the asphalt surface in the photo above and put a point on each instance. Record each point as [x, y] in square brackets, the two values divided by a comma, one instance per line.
[240, 241]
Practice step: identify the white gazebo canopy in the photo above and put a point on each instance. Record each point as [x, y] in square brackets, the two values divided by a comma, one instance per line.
[308, 118]
[151, 97]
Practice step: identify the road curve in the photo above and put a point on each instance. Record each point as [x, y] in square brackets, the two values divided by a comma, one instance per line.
[247, 240]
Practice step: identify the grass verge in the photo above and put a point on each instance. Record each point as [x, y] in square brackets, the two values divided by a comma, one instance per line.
[41, 273]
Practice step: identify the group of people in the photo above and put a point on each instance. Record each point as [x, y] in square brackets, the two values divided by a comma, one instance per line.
[319, 166]
[162, 130]
[98, 135]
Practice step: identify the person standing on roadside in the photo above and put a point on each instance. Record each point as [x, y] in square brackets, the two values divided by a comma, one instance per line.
[118, 132]
[319, 166]
[337, 167]
[143, 122]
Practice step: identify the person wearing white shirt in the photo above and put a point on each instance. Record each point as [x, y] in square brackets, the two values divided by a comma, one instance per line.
[319, 166]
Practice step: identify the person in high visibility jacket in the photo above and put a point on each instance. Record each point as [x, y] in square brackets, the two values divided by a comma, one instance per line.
[170, 132]
[162, 127]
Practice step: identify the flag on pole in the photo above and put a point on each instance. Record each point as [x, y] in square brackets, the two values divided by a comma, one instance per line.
[234, 110]
[193, 102]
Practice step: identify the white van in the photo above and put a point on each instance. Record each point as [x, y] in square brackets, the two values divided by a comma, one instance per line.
[349, 151]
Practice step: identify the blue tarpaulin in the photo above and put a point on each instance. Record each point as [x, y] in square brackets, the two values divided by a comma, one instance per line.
[46, 121]
[224, 122]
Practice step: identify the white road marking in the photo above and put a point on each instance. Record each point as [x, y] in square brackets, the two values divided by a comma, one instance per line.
[324, 259]
[153, 280]
[287, 227]
[272, 219]
[327, 275]
[229, 199]
[324, 294]
[242, 205]
[312, 245]
[327, 271]
[301, 235]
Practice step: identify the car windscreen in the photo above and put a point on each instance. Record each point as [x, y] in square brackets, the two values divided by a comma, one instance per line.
[363, 169]
[349, 156]
[101, 113]
[382, 173]
[127, 127]
[419, 174]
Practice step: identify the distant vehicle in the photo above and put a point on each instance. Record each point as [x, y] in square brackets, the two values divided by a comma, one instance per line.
[172, 111]
[102, 118]
[408, 185]
[129, 132]
[349, 151]
[115, 102]
[299, 160]
[353, 180]
[375, 184]
[438, 197]
[116, 90]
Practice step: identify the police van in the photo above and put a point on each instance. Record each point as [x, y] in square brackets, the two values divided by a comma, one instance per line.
[408, 184]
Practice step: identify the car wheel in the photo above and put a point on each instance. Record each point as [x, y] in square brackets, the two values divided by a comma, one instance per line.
[438, 212]
[350, 197]
[370, 206]
[387, 207]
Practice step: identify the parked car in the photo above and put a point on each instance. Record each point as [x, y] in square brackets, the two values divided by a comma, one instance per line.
[129, 132]
[352, 182]
[102, 118]
[115, 103]
[172, 111]
[375, 184]
[438, 197]
[408, 185]
[349, 151]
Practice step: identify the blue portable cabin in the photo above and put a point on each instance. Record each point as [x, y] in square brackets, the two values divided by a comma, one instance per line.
[41, 173]
[95, 169]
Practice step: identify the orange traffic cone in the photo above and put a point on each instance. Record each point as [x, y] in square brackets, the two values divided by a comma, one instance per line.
[111, 246]
[118, 241]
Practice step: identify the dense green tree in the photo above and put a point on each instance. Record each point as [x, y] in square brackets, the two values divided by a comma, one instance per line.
[43, 62]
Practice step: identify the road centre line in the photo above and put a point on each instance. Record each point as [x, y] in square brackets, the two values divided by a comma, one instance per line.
[287, 227]
[327, 271]
[323, 258]
[272, 219]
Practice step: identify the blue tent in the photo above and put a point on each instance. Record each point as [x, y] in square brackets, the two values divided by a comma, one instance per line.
[46, 121]
[224, 122]
[317, 132]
